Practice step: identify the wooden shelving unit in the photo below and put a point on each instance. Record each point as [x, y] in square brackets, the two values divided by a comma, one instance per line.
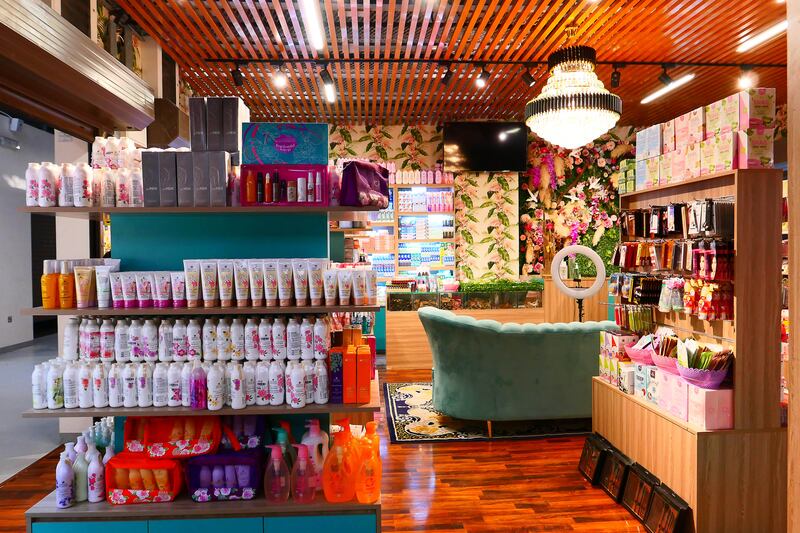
[195, 311]
[98, 212]
[705, 467]
[374, 405]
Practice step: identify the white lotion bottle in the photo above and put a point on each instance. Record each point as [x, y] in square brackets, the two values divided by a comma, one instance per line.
[224, 347]
[32, 185]
[237, 386]
[194, 338]
[144, 385]
[251, 340]
[215, 383]
[115, 386]
[186, 379]
[96, 474]
[296, 389]
[122, 350]
[93, 340]
[174, 385]
[165, 341]
[39, 393]
[70, 344]
[278, 339]
[209, 340]
[71, 386]
[160, 385]
[150, 341]
[65, 480]
[237, 340]
[321, 339]
[249, 372]
[308, 372]
[262, 383]
[264, 340]
[293, 343]
[107, 341]
[130, 396]
[55, 386]
[135, 340]
[277, 380]
[321, 392]
[99, 386]
[85, 395]
[179, 341]
[306, 339]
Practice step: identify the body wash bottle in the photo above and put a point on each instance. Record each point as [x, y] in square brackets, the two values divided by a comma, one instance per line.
[174, 385]
[303, 476]
[277, 382]
[129, 392]
[276, 478]
[237, 340]
[144, 385]
[209, 340]
[262, 383]
[80, 483]
[165, 341]
[122, 351]
[96, 479]
[251, 340]
[65, 483]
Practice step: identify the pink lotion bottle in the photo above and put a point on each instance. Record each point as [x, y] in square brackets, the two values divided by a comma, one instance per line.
[304, 476]
[276, 478]
[197, 387]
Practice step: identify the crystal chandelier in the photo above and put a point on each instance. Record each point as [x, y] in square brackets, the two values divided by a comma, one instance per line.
[574, 107]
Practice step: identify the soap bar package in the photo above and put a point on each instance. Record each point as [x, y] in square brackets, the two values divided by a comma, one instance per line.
[696, 125]
[234, 114]
[652, 384]
[197, 123]
[214, 140]
[692, 161]
[708, 156]
[285, 143]
[710, 409]
[665, 389]
[756, 148]
[653, 171]
[757, 108]
[168, 180]
[349, 375]
[218, 168]
[200, 181]
[681, 131]
[626, 382]
[150, 176]
[667, 136]
[726, 150]
[713, 114]
[679, 399]
[640, 377]
[185, 176]
[363, 373]
[665, 168]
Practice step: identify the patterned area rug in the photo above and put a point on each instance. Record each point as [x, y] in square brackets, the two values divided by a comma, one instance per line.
[412, 419]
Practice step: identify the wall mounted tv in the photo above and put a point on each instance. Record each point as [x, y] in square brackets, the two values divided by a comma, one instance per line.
[485, 146]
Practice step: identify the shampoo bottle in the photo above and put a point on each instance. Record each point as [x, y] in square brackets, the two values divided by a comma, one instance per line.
[237, 387]
[317, 442]
[129, 392]
[282, 440]
[338, 474]
[122, 351]
[293, 343]
[144, 385]
[308, 373]
[65, 480]
[209, 340]
[304, 476]
[249, 372]
[96, 479]
[93, 340]
[194, 336]
[80, 482]
[321, 339]
[39, 392]
[197, 387]
[295, 385]
[264, 340]
[160, 385]
[321, 392]
[135, 340]
[70, 344]
[107, 341]
[55, 386]
[116, 388]
[50, 277]
[262, 383]
[306, 339]
[237, 340]
[99, 386]
[276, 478]
[174, 385]
[186, 379]
[278, 339]
[66, 286]
[277, 381]
[165, 341]
[109, 453]
[85, 395]
[224, 347]
[251, 340]
[216, 387]
[179, 341]
[150, 341]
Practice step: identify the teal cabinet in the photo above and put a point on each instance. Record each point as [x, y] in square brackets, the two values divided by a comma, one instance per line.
[352, 523]
[208, 525]
[90, 527]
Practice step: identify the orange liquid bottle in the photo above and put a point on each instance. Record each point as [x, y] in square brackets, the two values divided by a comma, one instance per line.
[368, 479]
[250, 188]
[339, 472]
[50, 284]
[66, 286]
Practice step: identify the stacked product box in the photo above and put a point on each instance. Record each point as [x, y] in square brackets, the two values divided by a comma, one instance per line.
[615, 368]
[626, 176]
[648, 152]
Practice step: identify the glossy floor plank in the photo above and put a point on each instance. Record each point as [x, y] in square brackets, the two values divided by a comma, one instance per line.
[520, 485]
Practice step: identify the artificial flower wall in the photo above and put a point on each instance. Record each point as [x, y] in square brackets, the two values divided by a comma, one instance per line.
[410, 147]
[486, 211]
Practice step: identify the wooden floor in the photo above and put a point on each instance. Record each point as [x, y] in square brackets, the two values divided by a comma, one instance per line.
[521, 485]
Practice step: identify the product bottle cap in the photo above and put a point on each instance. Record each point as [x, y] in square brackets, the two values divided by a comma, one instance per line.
[339, 438]
[371, 427]
[313, 426]
[281, 436]
[50, 266]
[345, 423]
[302, 451]
[66, 267]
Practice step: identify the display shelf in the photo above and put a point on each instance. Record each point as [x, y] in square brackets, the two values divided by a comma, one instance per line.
[429, 267]
[184, 507]
[426, 240]
[383, 224]
[193, 311]
[426, 185]
[684, 183]
[424, 213]
[98, 212]
[374, 405]
[350, 230]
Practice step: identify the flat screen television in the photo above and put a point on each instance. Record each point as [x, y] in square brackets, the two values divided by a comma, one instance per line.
[485, 146]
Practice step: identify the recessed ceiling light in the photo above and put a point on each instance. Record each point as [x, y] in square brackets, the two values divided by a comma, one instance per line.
[482, 78]
[747, 80]
[763, 37]
[671, 86]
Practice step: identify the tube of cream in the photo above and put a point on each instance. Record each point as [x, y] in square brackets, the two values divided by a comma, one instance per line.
[84, 283]
[162, 293]
[225, 272]
[129, 289]
[329, 280]
[285, 282]
[372, 287]
[103, 280]
[241, 279]
[116, 290]
[112, 262]
[345, 285]
[271, 282]
[300, 270]
[191, 276]
[178, 282]
[256, 270]
[315, 268]
[359, 286]
[144, 288]
[208, 275]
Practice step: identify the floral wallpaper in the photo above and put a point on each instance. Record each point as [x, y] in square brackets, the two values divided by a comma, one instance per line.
[486, 210]
[410, 147]
[569, 197]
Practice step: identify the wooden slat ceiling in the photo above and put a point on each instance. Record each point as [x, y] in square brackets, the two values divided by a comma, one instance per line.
[472, 30]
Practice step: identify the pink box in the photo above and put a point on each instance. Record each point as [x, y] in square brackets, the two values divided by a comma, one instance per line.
[679, 163]
[665, 168]
[692, 160]
[756, 148]
[697, 124]
[713, 112]
[708, 156]
[757, 108]
[664, 389]
[681, 131]
[710, 409]
[667, 136]
[653, 171]
[679, 399]
[726, 152]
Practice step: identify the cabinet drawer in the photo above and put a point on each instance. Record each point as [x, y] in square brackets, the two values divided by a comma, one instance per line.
[352, 523]
[208, 525]
[90, 527]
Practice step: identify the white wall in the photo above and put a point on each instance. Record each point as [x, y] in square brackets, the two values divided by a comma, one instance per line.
[15, 230]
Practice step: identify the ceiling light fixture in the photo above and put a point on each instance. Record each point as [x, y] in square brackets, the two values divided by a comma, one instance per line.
[482, 78]
[327, 82]
[764, 36]
[528, 78]
[683, 80]
[616, 76]
[448, 73]
[665, 78]
[312, 20]
[279, 79]
[238, 77]
[748, 78]
[574, 108]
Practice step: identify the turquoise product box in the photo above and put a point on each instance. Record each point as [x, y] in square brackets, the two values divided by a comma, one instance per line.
[273, 143]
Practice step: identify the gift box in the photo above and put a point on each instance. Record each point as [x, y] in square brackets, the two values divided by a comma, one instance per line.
[640, 377]
[248, 431]
[667, 137]
[625, 381]
[653, 171]
[652, 384]
[696, 125]
[133, 478]
[613, 370]
[710, 409]
[648, 142]
[665, 168]
[681, 131]
[692, 161]
[752, 108]
[756, 148]
[665, 389]
[708, 156]
[227, 475]
[172, 436]
[712, 113]
[679, 399]
[726, 152]
[266, 143]
[679, 163]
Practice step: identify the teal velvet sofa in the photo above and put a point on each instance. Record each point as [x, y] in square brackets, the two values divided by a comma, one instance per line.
[485, 370]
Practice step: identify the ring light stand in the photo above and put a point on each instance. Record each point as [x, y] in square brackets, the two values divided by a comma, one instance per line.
[578, 292]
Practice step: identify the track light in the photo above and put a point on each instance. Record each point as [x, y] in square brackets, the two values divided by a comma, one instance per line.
[327, 82]
[238, 77]
[279, 79]
[616, 76]
[528, 79]
[664, 78]
[482, 78]
[748, 78]
[764, 36]
[448, 73]
[671, 86]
